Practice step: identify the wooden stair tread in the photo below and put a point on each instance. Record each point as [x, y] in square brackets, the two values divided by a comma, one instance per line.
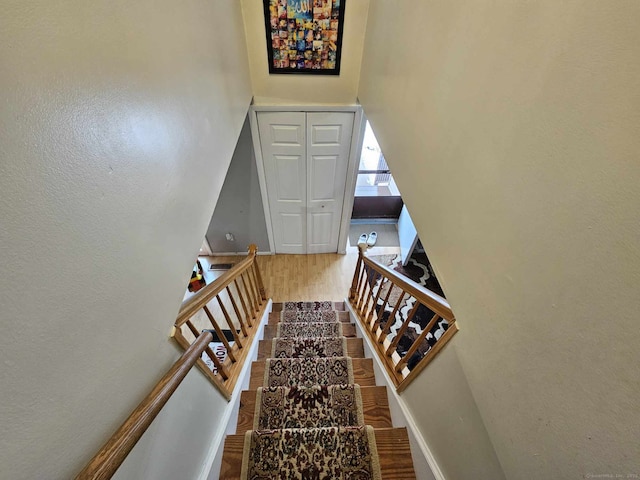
[362, 373]
[394, 455]
[270, 331]
[355, 348]
[375, 405]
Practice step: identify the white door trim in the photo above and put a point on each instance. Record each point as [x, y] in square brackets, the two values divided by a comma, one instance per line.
[357, 137]
[257, 150]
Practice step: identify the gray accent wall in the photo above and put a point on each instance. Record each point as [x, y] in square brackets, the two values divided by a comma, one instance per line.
[239, 210]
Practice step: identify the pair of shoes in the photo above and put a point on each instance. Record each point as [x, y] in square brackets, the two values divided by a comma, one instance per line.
[368, 240]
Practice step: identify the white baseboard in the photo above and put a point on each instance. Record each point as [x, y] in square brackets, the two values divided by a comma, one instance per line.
[424, 462]
[211, 467]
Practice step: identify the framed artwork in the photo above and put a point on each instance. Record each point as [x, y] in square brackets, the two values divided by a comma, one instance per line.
[304, 36]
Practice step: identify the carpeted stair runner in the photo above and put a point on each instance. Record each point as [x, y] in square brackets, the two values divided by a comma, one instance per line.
[310, 419]
[316, 406]
[309, 330]
[306, 372]
[308, 316]
[318, 347]
[311, 453]
[307, 306]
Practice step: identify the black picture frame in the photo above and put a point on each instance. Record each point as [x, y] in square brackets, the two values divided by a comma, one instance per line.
[320, 23]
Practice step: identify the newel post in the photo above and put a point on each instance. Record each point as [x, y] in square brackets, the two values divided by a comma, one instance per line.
[253, 251]
[353, 291]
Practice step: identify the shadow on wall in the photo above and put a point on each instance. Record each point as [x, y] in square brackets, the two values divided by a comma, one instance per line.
[238, 219]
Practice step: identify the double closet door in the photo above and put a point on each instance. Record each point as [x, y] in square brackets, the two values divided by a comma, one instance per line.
[305, 159]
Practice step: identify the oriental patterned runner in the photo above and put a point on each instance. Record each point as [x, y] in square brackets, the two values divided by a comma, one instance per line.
[309, 347]
[300, 407]
[327, 306]
[290, 316]
[306, 372]
[309, 330]
[318, 453]
[308, 420]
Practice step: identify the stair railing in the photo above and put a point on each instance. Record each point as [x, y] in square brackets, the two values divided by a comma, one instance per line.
[235, 303]
[372, 300]
[105, 463]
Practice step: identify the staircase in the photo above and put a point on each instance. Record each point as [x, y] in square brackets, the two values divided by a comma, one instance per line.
[305, 413]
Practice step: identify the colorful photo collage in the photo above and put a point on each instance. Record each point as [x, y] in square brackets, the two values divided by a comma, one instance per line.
[304, 34]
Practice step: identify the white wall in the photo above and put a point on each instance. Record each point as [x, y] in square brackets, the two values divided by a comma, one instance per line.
[294, 89]
[186, 440]
[118, 122]
[512, 131]
[177, 443]
[440, 447]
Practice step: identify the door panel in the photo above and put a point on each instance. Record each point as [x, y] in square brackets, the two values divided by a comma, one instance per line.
[328, 146]
[323, 171]
[329, 135]
[305, 160]
[292, 230]
[288, 169]
[282, 138]
[287, 135]
[321, 224]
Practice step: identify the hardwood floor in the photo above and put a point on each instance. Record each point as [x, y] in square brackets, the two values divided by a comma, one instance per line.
[324, 276]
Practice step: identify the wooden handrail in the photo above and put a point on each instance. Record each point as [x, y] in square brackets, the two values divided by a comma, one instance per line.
[432, 300]
[245, 279]
[199, 300]
[364, 300]
[105, 463]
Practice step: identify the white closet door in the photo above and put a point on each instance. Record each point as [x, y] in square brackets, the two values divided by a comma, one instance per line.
[328, 145]
[305, 159]
[282, 137]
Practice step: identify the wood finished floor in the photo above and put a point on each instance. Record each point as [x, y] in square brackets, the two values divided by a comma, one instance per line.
[324, 276]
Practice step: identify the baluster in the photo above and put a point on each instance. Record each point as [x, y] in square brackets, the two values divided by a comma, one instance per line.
[229, 322]
[252, 301]
[416, 343]
[361, 293]
[235, 309]
[375, 300]
[216, 361]
[402, 329]
[359, 284]
[384, 304]
[223, 339]
[392, 318]
[354, 283]
[259, 283]
[244, 305]
[254, 289]
[371, 281]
